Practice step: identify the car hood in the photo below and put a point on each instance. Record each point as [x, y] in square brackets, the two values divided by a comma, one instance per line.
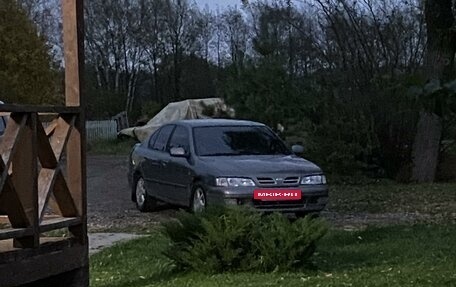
[260, 165]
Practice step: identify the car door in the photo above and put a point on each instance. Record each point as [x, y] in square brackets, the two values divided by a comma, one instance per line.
[148, 167]
[154, 163]
[179, 174]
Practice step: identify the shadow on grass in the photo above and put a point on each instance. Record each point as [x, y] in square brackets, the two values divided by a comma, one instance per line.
[394, 245]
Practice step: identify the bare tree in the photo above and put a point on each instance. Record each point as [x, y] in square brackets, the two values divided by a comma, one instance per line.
[182, 33]
[439, 65]
[114, 46]
[237, 34]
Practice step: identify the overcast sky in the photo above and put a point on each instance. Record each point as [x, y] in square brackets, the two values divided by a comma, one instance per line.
[214, 4]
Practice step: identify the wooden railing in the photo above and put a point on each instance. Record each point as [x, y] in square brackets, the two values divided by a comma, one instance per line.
[39, 186]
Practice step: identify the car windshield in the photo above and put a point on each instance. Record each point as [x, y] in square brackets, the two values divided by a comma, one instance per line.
[237, 140]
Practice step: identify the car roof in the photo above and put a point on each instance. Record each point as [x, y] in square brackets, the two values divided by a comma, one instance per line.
[216, 123]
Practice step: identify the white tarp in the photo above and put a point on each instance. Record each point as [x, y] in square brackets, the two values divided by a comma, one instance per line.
[188, 109]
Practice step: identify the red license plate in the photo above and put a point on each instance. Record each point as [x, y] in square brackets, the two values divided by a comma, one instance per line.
[277, 194]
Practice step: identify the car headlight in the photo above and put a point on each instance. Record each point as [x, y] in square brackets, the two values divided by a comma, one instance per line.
[233, 181]
[313, 180]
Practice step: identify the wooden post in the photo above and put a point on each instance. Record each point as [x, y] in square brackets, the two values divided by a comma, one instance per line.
[73, 37]
[26, 186]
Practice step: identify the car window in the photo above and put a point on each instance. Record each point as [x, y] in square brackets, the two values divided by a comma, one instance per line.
[162, 138]
[179, 138]
[237, 140]
[153, 138]
[2, 125]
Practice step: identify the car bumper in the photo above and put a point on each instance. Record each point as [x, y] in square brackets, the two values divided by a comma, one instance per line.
[313, 199]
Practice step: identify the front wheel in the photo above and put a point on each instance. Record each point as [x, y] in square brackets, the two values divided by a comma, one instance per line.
[199, 202]
[144, 202]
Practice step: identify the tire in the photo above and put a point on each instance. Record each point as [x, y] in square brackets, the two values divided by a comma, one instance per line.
[144, 202]
[198, 201]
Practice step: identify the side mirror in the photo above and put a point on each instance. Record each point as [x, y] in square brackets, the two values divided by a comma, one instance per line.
[178, 152]
[297, 149]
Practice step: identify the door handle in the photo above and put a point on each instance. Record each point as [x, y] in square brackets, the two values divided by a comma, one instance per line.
[163, 163]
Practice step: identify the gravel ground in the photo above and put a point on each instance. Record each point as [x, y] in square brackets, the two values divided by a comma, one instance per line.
[110, 208]
[108, 198]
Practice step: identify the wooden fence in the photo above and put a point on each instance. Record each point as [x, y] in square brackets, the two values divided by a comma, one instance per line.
[97, 130]
[42, 192]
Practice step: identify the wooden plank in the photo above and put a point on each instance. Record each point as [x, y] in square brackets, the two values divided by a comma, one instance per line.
[40, 109]
[73, 42]
[52, 182]
[46, 153]
[58, 223]
[9, 233]
[73, 27]
[51, 127]
[46, 181]
[64, 198]
[8, 253]
[61, 135]
[9, 145]
[53, 206]
[50, 154]
[11, 205]
[51, 262]
[25, 181]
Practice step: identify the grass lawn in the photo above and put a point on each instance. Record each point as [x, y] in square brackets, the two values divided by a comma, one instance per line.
[417, 255]
[438, 200]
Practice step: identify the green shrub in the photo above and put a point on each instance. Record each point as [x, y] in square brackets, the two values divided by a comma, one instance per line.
[239, 239]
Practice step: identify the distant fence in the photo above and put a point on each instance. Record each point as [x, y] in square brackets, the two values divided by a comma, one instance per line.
[97, 130]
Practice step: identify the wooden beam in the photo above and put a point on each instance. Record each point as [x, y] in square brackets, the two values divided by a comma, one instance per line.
[64, 198]
[73, 40]
[61, 135]
[58, 223]
[39, 109]
[48, 260]
[11, 205]
[15, 232]
[25, 181]
[46, 182]
[8, 146]
[73, 28]
[51, 127]
[46, 153]
[52, 182]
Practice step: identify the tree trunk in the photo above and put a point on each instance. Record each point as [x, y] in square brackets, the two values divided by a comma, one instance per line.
[426, 147]
[439, 64]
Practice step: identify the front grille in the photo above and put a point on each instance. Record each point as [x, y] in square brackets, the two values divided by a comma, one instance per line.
[266, 181]
[291, 180]
[279, 181]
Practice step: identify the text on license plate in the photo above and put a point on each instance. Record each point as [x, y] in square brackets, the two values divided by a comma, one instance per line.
[277, 194]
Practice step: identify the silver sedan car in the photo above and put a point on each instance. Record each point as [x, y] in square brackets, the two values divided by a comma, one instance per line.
[196, 163]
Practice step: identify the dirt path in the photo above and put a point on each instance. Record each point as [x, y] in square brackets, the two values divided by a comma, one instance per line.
[109, 204]
[110, 208]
